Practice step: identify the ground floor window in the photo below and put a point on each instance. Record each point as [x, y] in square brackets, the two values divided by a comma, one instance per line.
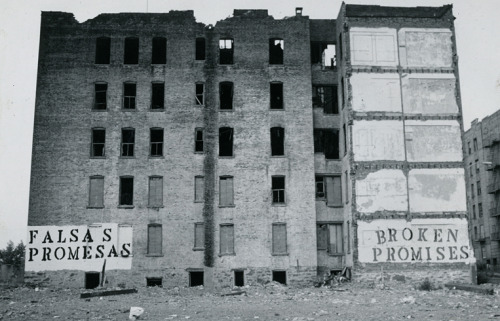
[195, 278]
[239, 278]
[154, 282]
[279, 276]
[92, 280]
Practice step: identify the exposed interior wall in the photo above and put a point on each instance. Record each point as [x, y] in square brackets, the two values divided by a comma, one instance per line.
[378, 140]
[425, 47]
[376, 92]
[429, 94]
[383, 190]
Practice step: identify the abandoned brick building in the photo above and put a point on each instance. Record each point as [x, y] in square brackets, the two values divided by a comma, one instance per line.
[253, 150]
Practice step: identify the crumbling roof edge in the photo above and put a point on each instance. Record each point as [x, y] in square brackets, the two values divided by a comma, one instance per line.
[375, 11]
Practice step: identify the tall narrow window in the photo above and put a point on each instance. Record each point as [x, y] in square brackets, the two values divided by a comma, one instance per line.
[478, 185]
[199, 189]
[276, 95]
[480, 209]
[475, 144]
[128, 141]
[199, 236]
[126, 191]
[225, 141]
[156, 142]
[157, 95]
[129, 94]
[474, 211]
[278, 189]
[102, 50]
[226, 197]
[200, 94]
[155, 239]
[159, 52]
[155, 191]
[131, 51]
[100, 100]
[277, 141]
[330, 238]
[279, 238]
[340, 45]
[348, 237]
[326, 141]
[200, 49]
[226, 239]
[322, 236]
[276, 47]
[344, 130]
[96, 192]
[226, 95]
[98, 142]
[198, 140]
[326, 98]
[320, 187]
[346, 189]
[226, 51]
[342, 92]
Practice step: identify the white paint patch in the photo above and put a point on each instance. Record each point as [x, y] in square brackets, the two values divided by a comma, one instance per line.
[378, 140]
[376, 92]
[373, 46]
[382, 190]
[437, 190]
[425, 47]
[418, 241]
[429, 94]
[82, 247]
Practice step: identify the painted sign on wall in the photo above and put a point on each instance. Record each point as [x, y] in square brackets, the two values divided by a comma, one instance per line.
[83, 247]
[418, 241]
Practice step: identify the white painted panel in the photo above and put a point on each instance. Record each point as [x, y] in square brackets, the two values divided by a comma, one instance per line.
[429, 94]
[378, 140]
[382, 190]
[437, 190]
[373, 46]
[376, 92]
[426, 47]
[418, 241]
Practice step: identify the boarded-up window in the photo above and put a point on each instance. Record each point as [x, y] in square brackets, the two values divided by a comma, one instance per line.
[155, 239]
[199, 188]
[276, 92]
[157, 95]
[98, 142]
[335, 244]
[102, 50]
[276, 47]
[226, 95]
[131, 51]
[226, 191]
[159, 52]
[155, 191]
[96, 191]
[226, 239]
[126, 191]
[199, 236]
[129, 94]
[279, 238]
[200, 49]
[277, 141]
[156, 142]
[198, 140]
[322, 236]
[226, 50]
[225, 141]
[278, 189]
[333, 191]
[100, 101]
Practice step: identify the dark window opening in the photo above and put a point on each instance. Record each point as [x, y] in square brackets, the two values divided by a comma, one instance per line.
[326, 97]
[159, 55]
[102, 50]
[344, 129]
[340, 45]
[225, 141]
[131, 52]
[126, 190]
[157, 96]
[239, 278]
[98, 142]
[128, 142]
[341, 90]
[226, 50]
[100, 102]
[323, 53]
[195, 278]
[320, 187]
[156, 144]
[276, 95]
[154, 282]
[276, 47]
[200, 94]
[277, 141]
[226, 95]
[317, 49]
[198, 145]
[92, 280]
[129, 94]
[155, 239]
[200, 49]
[278, 189]
[329, 188]
[326, 141]
[279, 276]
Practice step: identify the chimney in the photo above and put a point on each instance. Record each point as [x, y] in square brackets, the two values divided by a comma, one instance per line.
[298, 11]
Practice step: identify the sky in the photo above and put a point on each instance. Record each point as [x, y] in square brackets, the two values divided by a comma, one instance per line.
[478, 41]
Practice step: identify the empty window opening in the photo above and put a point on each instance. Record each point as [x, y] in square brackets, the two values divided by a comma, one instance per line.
[157, 95]
[98, 142]
[276, 95]
[156, 144]
[200, 94]
[129, 94]
[126, 191]
[326, 141]
[279, 239]
[200, 49]
[198, 137]
[199, 236]
[326, 97]
[341, 90]
[226, 239]
[226, 51]
[226, 95]
[131, 52]
[92, 280]
[279, 276]
[159, 54]
[329, 59]
[330, 238]
[225, 141]
[277, 141]
[100, 101]
[155, 191]
[154, 282]
[96, 192]
[195, 278]
[155, 238]
[344, 130]
[340, 45]
[226, 191]
[102, 50]
[276, 47]
[128, 142]
[199, 188]
[329, 188]
[346, 189]
[239, 278]
[323, 53]
[278, 189]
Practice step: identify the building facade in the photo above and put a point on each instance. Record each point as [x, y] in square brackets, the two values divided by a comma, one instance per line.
[255, 150]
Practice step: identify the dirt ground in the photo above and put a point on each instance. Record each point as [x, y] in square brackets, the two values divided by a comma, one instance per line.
[352, 301]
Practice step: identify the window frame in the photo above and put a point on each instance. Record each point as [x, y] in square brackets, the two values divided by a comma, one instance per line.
[199, 198]
[336, 179]
[163, 47]
[121, 204]
[156, 143]
[123, 144]
[101, 197]
[328, 248]
[231, 135]
[93, 143]
[226, 55]
[128, 100]
[278, 190]
[274, 58]
[281, 95]
[156, 84]
[149, 250]
[230, 202]
[96, 94]
[150, 179]
[316, 92]
[200, 242]
[201, 95]
[226, 102]
[198, 142]
[275, 251]
[228, 253]
[280, 143]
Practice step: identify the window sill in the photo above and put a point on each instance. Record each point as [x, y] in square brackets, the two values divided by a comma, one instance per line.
[335, 254]
[156, 110]
[199, 153]
[227, 157]
[99, 110]
[279, 204]
[94, 207]
[159, 65]
[134, 64]
[129, 110]
[278, 156]
[335, 206]
[156, 157]
[279, 254]
[151, 206]
[126, 206]
[97, 157]
[96, 64]
[226, 110]
[154, 255]
[223, 206]
[227, 254]
[127, 157]
[198, 249]
[276, 109]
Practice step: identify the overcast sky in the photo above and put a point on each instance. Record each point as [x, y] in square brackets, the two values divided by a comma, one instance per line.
[478, 41]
